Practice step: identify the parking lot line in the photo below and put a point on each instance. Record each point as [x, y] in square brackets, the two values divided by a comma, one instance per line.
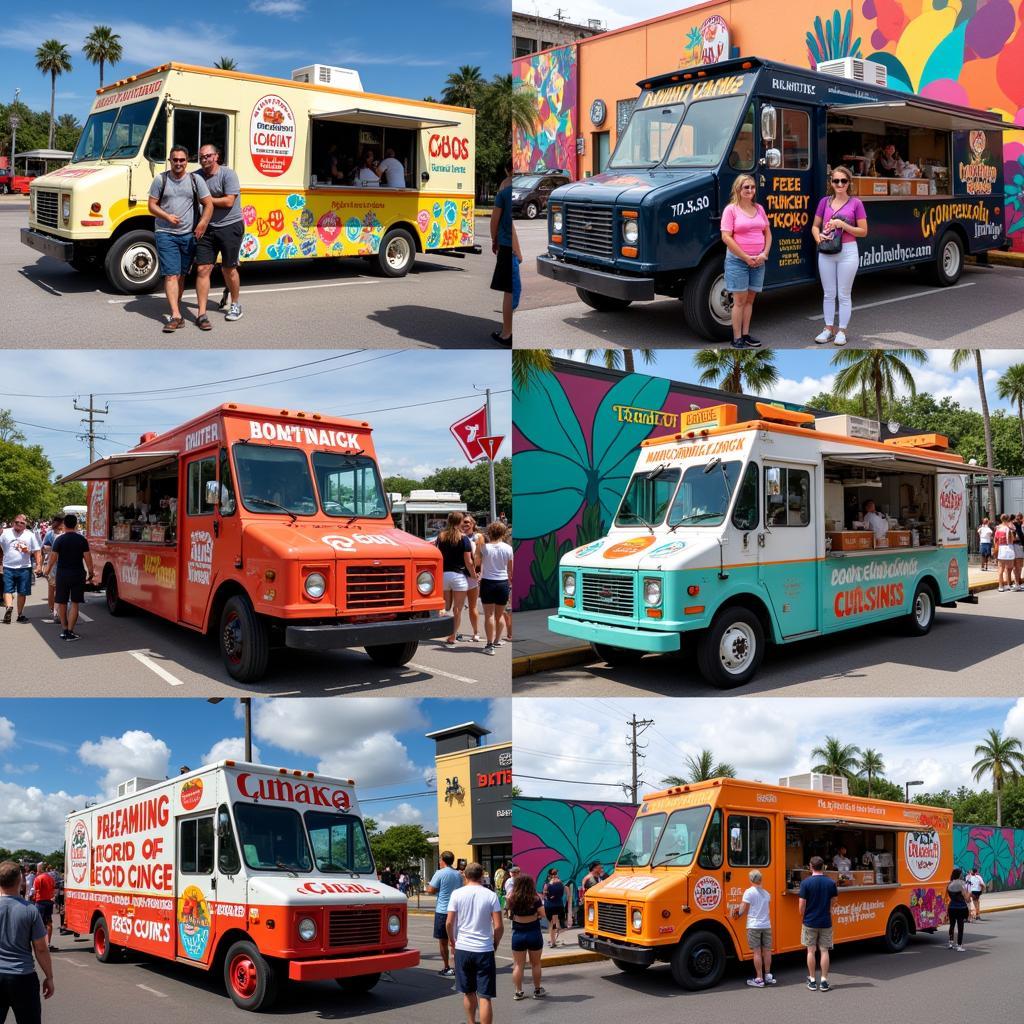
[152, 991]
[158, 669]
[440, 672]
[264, 291]
[901, 298]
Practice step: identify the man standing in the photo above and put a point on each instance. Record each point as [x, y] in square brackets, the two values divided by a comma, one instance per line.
[877, 523]
[56, 529]
[505, 246]
[391, 171]
[72, 558]
[181, 205]
[818, 896]
[445, 881]
[224, 236]
[21, 549]
[43, 892]
[21, 934]
[500, 875]
[756, 904]
[475, 929]
[985, 542]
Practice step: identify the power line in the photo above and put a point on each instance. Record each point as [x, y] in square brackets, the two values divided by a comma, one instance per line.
[398, 796]
[639, 728]
[569, 782]
[416, 405]
[91, 420]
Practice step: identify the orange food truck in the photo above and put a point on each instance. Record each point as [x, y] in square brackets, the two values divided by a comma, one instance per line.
[269, 527]
[684, 868]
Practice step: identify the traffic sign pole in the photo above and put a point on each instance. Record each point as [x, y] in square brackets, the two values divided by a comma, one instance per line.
[490, 462]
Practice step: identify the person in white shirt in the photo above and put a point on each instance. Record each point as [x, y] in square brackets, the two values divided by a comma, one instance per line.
[840, 861]
[367, 174]
[876, 523]
[475, 929]
[977, 886]
[391, 172]
[21, 551]
[985, 533]
[756, 903]
[496, 573]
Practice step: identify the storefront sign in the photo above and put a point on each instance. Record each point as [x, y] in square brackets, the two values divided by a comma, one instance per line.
[729, 85]
[706, 43]
[598, 112]
[490, 773]
[923, 850]
[976, 172]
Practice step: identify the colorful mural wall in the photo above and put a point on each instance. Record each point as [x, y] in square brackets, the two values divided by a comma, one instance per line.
[552, 143]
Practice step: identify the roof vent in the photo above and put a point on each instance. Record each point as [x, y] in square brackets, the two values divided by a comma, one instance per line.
[132, 786]
[857, 70]
[327, 74]
[819, 783]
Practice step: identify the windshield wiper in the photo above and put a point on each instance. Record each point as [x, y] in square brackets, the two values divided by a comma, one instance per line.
[124, 145]
[271, 504]
[694, 516]
[670, 856]
[633, 515]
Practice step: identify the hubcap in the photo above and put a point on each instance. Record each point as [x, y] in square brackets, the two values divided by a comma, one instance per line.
[951, 258]
[243, 976]
[138, 263]
[397, 253]
[703, 961]
[737, 647]
[101, 941]
[922, 609]
[232, 638]
[720, 301]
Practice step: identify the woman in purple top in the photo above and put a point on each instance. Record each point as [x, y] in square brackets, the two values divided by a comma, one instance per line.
[838, 211]
[748, 238]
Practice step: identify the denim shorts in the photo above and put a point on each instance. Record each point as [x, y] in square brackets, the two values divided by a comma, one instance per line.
[175, 252]
[18, 581]
[741, 277]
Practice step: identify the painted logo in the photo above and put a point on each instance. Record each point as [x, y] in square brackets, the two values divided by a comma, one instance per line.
[707, 893]
[626, 548]
[328, 227]
[97, 524]
[200, 559]
[951, 504]
[953, 573]
[922, 851]
[272, 136]
[342, 542]
[588, 549]
[670, 549]
[193, 922]
[78, 852]
[191, 794]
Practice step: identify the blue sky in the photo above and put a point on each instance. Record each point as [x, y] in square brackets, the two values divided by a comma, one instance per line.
[404, 47]
[56, 754]
[388, 388]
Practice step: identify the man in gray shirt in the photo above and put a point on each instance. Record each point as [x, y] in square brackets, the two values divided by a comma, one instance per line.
[21, 934]
[181, 207]
[224, 236]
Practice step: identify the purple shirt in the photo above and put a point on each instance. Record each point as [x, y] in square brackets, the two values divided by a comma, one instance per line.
[851, 211]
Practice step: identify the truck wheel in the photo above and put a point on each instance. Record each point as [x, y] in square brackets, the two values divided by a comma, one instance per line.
[244, 643]
[628, 967]
[393, 655]
[4, 188]
[115, 605]
[617, 656]
[922, 611]
[707, 304]
[396, 254]
[530, 211]
[357, 985]
[602, 303]
[698, 962]
[104, 949]
[949, 261]
[131, 263]
[251, 981]
[730, 652]
[897, 932]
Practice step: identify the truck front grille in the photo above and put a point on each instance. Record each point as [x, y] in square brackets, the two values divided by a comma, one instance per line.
[611, 917]
[355, 928]
[590, 229]
[375, 586]
[607, 594]
[46, 208]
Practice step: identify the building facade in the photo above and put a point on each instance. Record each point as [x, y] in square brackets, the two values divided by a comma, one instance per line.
[532, 33]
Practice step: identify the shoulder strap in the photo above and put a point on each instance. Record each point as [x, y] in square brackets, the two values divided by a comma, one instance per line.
[163, 185]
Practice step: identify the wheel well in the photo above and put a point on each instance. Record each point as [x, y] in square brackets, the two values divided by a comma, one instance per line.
[411, 228]
[143, 223]
[96, 915]
[227, 590]
[957, 230]
[911, 923]
[224, 943]
[108, 570]
[932, 583]
[754, 604]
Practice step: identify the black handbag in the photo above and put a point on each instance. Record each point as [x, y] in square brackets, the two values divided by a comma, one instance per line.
[832, 244]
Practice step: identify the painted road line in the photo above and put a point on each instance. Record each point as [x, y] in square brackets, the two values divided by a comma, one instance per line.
[264, 291]
[440, 672]
[74, 963]
[152, 991]
[154, 667]
[901, 298]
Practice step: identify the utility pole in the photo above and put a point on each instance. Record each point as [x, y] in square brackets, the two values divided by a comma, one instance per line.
[92, 421]
[639, 727]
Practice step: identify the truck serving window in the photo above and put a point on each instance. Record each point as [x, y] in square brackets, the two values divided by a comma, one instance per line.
[680, 837]
[339, 843]
[646, 138]
[115, 133]
[272, 480]
[195, 846]
[641, 841]
[704, 495]
[647, 497]
[272, 838]
[705, 132]
[349, 485]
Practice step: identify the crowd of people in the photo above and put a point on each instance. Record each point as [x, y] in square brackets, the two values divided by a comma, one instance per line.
[1003, 543]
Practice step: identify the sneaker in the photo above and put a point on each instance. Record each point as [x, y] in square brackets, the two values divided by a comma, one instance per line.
[69, 635]
[812, 984]
[755, 982]
[960, 949]
[840, 339]
[952, 944]
[539, 993]
[22, 618]
[489, 649]
[752, 342]
[824, 986]
[499, 643]
[518, 995]
[824, 338]
[7, 616]
[234, 312]
[63, 634]
[769, 979]
[447, 972]
[738, 343]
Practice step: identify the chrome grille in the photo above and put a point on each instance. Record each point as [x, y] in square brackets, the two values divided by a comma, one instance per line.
[355, 928]
[590, 229]
[375, 586]
[608, 594]
[46, 208]
[611, 917]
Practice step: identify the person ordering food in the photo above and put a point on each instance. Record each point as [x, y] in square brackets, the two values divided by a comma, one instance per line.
[874, 521]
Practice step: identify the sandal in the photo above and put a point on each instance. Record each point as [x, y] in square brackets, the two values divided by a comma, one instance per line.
[175, 323]
[203, 323]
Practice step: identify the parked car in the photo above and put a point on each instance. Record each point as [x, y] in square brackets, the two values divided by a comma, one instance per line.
[530, 192]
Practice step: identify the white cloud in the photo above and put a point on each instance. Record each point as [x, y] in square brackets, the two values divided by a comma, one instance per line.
[34, 819]
[285, 7]
[613, 13]
[6, 733]
[20, 769]
[134, 753]
[1014, 724]
[231, 748]
[499, 720]
[403, 814]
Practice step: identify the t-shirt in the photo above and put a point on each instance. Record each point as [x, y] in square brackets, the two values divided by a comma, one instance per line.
[757, 901]
[393, 172]
[367, 176]
[818, 891]
[451, 553]
[474, 928]
[509, 883]
[445, 881]
[877, 524]
[503, 202]
[224, 182]
[985, 534]
[851, 212]
[554, 893]
[841, 863]
[69, 548]
[177, 200]
[20, 926]
[957, 891]
[495, 560]
[748, 231]
[18, 548]
[976, 883]
[44, 888]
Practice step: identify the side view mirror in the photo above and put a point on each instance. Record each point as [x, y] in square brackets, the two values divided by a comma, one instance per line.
[212, 492]
[768, 123]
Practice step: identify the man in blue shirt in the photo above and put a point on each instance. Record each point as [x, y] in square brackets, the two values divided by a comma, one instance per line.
[445, 881]
[21, 934]
[818, 895]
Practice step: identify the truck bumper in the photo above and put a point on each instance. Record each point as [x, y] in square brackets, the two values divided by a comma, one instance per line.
[617, 950]
[350, 967]
[616, 286]
[366, 634]
[615, 636]
[55, 248]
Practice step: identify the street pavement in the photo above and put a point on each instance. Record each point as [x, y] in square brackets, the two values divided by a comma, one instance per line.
[145, 656]
[443, 302]
[892, 309]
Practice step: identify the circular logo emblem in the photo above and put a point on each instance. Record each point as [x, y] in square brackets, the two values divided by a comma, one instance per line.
[588, 549]
[598, 112]
[707, 893]
[669, 549]
[922, 852]
[191, 794]
[953, 573]
[272, 136]
[78, 852]
[951, 504]
[626, 548]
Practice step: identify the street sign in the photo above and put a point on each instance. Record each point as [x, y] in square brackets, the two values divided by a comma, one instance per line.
[491, 444]
[468, 432]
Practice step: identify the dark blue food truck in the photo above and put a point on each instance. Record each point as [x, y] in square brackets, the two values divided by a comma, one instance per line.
[651, 224]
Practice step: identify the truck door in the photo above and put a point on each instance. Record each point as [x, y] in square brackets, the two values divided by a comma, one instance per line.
[197, 537]
[227, 526]
[230, 881]
[196, 888]
[748, 847]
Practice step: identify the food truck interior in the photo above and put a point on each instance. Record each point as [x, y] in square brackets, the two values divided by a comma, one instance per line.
[871, 852]
[146, 506]
[340, 148]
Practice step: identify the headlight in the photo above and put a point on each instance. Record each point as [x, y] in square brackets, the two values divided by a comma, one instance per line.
[315, 585]
[425, 583]
[569, 584]
[630, 231]
[556, 219]
[652, 592]
[517, 195]
[590, 912]
[307, 929]
[637, 919]
[65, 208]
[394, 924]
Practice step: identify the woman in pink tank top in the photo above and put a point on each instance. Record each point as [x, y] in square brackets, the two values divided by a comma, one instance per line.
[748, 239]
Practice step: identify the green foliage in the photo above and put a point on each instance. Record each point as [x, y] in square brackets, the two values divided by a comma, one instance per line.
[543, 592]
[400, 846]
[881, 789]
[969, 807]
[24, 481]
[472, 484]
[401, 485]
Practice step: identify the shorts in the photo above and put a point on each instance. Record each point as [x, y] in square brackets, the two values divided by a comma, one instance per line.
[816, 937]
[986, 550]
[1005, 553]
[175, 252]
[70, 588]
[473, 584]
[526, 937]
[455, 581]
[555, 913]
[1018, 551]
[501, 280]
[741, 277]
[475, 972]
[45, 908]
[441, 926]
[494, 591]
[18, 581]
[222, 239]
[20, 993]
[759, 938]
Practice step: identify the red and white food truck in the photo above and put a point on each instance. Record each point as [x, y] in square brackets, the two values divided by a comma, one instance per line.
[268, 526]
[262, 873]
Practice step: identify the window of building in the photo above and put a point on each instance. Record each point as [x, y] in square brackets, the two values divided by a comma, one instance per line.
[523, 47]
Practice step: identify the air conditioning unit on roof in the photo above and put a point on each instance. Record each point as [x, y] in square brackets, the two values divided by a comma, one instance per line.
[857, 70]
[326, 74]
[821, 783]
[132, 786]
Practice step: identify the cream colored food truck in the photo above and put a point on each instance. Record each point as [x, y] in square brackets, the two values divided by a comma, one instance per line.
[294, 145]
[263, 875]
[731, 535]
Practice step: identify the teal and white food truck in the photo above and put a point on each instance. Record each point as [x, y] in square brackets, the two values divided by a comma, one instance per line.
[734, 535]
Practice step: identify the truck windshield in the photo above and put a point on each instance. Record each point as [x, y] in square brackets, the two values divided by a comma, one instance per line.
[640, 843]
[115, 133]
[272, 480]
[646, 138]
[647, 497]
[272, 838]
[339, 843]
[681, 837]
[704, 495]
[349, 485]
[705, 133]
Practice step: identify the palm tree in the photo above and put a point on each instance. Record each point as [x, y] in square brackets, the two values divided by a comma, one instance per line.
[53, 59]
[103, 46]
[731, 370]
[226, 64]
[1002, 758]
[511, 104]
[1010, 388]
[528, 363]
[463, 87]
[870, 764]
[836, 758]
[700, 769]
[617, 358]
[876, 370]
[961, 357]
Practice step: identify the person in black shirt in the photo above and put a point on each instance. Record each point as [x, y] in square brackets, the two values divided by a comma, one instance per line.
[71, 554]
[459, 568]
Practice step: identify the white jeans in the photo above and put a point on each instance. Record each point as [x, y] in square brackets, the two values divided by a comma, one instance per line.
[837, 273]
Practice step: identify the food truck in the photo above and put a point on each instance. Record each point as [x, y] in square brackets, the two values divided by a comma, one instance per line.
[730, 535]
[262, 874]
[685, 865]
[651, 223]
[293, 145]
[265, 527]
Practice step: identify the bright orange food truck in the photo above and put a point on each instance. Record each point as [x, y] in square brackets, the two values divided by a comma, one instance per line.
[684, 868]
[269, 527]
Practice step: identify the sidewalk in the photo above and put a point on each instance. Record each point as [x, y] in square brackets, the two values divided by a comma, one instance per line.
[536, 649]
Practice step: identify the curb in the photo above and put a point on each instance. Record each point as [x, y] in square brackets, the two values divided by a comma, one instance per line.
[977, 588]
[1006, 259]
[999, 910]
[531, 663]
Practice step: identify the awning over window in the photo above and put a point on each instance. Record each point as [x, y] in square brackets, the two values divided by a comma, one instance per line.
[374, 117]
[900, 461]
[110, 467]
[874, 826]
[921, 115]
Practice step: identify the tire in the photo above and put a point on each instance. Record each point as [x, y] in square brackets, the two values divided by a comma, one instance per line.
[397, 253]
[393, 655]
[251, 981]
[897, 932]
[698, 962]
[115, 604]
[922, 611]
[603, 303]
[530, 210]
[244, 640]
[707, 306]
[617, 656]
[949, 261]
[358, 985]
[730, 652]
[627, 967]
[104, 949]
[4, 188]
[131, 263]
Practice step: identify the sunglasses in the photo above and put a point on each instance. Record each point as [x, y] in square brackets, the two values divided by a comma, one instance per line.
[742, 187]
[840, 181]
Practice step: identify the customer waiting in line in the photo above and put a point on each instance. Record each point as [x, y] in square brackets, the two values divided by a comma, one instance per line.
[958, 892]
[748, 237]
[475, 929]
[554, 905]
[526, 911]
[1004, 537]
[818, 897]
[458, 567]
[22, 934]
[473, 594]
[495, 584]
[1017, 522]
[755, 905]
[985, 542]
[977, 886]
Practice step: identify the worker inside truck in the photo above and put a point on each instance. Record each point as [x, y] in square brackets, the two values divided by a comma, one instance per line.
[340, 149]
[854, 856]
[146, 506]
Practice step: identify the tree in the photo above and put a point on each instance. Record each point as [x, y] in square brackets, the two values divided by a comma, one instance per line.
[102, 46]
[1010, 388]
[877, 371]
[401, 484]
[472, 484]
[700, 769]
[618, 358]
[733, 370]
[68, 132]
[24, 481]
[960, 358]
[513, 107]
[527, 364]
[870, 764]
[226, 64]
[836, 758]
[464, 87]
[1003, 759]
[53, 59]
[400, 846]
[881, 789]
[9, 428]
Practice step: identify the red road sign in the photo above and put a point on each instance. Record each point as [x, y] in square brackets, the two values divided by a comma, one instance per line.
[491, 444]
